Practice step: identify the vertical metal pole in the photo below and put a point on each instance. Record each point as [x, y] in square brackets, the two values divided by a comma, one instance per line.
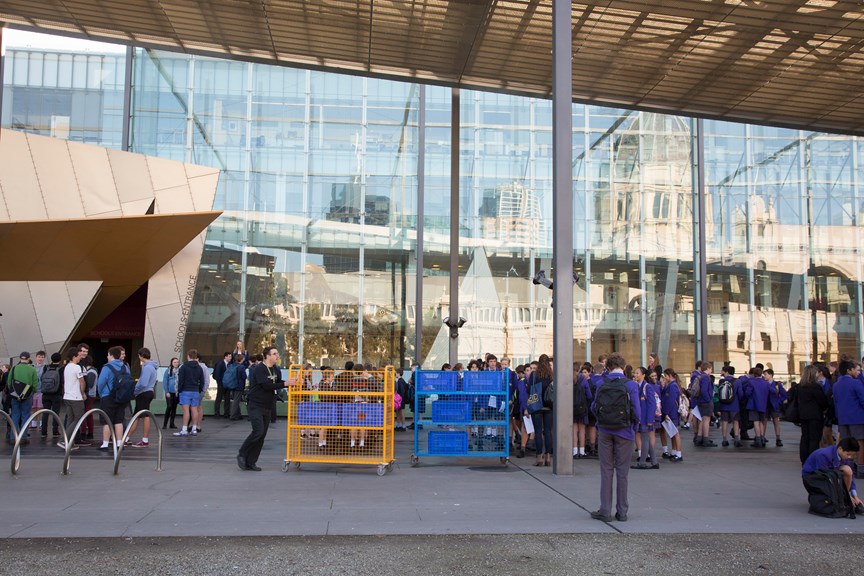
[2, 68]
[361, 168]
[455, 121]
[856, 222]
[702, 263]
[562, 240]
[127, 100]
[421, 214]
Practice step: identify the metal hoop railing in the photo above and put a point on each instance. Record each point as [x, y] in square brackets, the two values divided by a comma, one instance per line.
[118, 451]
[19, 436]
[135, 417]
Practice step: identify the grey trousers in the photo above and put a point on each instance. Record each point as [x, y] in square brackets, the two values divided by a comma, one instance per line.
[615, 453]
[647, 448]
[74, 411]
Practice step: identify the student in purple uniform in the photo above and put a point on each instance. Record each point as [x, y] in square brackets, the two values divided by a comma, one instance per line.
[729, 410]
[756, 392]
[670, 396]
[849, 403]
[519, 407]
[691, 388]
[776, 397]
[705, 403]
[615, 444]
[839, 457]
[648, 407]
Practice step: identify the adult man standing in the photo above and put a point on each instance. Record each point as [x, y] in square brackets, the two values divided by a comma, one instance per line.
[222, 395]
[189, 387]
[264, 380]
[616, 406]
[144, 394]
[51, 386]
[74, 394]
[21, 384]
[105, 384]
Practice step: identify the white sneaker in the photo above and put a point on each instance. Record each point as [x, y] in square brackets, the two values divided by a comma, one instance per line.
[63, 446]
[181, 433]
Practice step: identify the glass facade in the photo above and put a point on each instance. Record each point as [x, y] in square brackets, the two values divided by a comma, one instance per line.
[316, 251]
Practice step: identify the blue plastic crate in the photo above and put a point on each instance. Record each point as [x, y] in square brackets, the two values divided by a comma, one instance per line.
[451, 411]
[483, 382]
[448, 443]
[436, 381]
[359, 414]
[318, 414]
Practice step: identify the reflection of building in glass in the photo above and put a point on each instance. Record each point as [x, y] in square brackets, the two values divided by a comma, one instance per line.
[319, 186]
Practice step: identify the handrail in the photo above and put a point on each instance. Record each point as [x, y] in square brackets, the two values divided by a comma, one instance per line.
[68, 456]
[135, 417]
[16, 450]
[10, 422]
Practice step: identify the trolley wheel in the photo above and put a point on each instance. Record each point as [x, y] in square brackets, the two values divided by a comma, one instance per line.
[504, 460]
[414, 461]
[286, 465]
[382, 469]
[296, 464]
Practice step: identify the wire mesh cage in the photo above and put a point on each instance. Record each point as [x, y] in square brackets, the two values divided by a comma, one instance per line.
[340, 417]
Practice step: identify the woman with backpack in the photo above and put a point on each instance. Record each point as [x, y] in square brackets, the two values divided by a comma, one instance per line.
[541, 413]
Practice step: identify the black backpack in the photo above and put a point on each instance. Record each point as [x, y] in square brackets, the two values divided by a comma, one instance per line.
[51, 382]
[580, 402]
[124, 386]
[612, 404]
[726, 392]
[827, 494]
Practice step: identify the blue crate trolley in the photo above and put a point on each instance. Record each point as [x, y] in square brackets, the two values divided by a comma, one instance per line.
[461, 415]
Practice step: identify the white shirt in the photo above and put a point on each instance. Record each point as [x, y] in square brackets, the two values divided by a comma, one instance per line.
[71, 385]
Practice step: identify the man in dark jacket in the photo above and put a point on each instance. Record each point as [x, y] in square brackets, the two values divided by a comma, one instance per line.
[222, 396]
[264, 380]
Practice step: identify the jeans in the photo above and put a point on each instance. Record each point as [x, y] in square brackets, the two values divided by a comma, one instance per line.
[20, 414]
[259, 417]
[543, 432]
[171, 401]
[53, 402]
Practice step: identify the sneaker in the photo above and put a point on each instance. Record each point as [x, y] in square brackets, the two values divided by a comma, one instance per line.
[181, 433]
[63, 446]
[141, 444]
[83, 442]
[195, 432]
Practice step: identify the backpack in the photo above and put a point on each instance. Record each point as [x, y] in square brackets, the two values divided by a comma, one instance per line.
[827, 494]
[124, 386]
[51, 381]
[726, 393]
[90, 380]
[695, 389]
[612, 404]
[683, 406]
[535, 396]
[17, 389]
[580, 402]
[397, 401]
[230, 381]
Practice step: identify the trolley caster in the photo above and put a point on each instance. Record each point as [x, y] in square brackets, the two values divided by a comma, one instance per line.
[296, 464]
[382, 469]
[504, 460]
[285, 466]
[414, 461]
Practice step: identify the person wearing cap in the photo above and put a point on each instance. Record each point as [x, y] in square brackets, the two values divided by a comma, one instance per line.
[24, 372]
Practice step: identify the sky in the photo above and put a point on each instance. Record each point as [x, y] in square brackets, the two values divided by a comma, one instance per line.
[19, 39]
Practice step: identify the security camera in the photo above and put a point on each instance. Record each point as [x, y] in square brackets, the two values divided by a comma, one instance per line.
[454, 326]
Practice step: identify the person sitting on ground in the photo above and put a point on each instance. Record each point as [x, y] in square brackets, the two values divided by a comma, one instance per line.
[840, 458]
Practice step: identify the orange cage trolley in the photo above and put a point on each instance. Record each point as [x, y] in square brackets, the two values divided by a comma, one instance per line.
[340, 417]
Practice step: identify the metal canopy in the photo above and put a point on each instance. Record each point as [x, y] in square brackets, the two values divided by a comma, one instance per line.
[795, 63]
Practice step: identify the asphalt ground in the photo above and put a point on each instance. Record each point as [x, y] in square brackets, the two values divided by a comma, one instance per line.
[721, 510]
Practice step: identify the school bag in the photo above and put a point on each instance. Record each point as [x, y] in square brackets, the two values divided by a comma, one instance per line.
[535, 396]
[726, 393]
[124, 385]
[580, 402]
[91, 378]
[51, 382]
[397, 401]
[19, 390]
[230, 381]
[827, 494]
[612, 404]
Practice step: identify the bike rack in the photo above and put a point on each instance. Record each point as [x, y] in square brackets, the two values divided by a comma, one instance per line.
[118, 452]
[135, 417]
[19, 436]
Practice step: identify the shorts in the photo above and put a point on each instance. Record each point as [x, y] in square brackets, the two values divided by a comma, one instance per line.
[116, 412]
[706, 409]
[729, 416]
[646, 427]
[190, 398]
[851, 430]
[755, 416]
[142, 401]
